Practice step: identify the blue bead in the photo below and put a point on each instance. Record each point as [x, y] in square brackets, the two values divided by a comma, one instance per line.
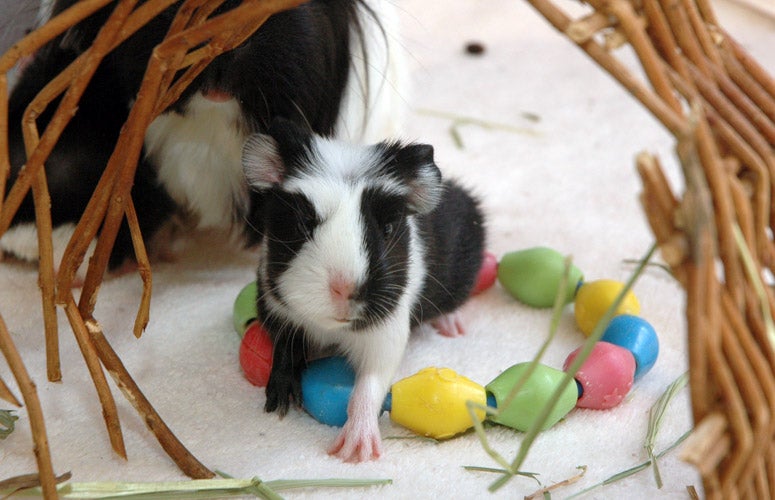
[326, 385]
[491, 401]
[638, 336]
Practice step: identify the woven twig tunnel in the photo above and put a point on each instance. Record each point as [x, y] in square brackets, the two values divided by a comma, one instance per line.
[717, 235]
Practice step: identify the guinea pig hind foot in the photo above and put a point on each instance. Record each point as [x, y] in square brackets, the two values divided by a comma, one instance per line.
[449, 325]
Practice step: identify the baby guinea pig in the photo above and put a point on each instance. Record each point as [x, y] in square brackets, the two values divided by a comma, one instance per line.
[360, 244]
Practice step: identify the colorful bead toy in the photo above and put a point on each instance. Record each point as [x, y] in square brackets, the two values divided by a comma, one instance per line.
[433, 402]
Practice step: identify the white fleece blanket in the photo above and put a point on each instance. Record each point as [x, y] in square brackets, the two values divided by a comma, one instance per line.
[559, 172]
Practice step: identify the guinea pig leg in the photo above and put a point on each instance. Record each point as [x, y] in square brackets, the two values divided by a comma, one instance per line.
[375, 356]
[359, 440]
[449, 325]
[284, 384]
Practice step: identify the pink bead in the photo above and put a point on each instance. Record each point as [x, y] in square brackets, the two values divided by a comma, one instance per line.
[488, 273]
[605, 377]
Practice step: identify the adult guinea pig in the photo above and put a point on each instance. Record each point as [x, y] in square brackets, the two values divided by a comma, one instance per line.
[328, 64]
[361, 243]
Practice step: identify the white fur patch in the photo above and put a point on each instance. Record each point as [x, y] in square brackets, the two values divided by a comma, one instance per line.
[339, 163]
[21, 241]
[335, 188]
[336, 249]
[198, 155]
[375, 100]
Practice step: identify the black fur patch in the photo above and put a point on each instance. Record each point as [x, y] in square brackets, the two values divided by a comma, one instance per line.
[289, 221]
[296, 66]
[387, 245]
[454, 238]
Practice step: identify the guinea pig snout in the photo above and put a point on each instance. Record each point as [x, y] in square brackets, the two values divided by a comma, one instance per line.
[344, 294]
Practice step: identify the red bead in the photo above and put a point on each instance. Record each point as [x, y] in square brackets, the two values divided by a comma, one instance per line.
[606, 376]
[255, 354]
[488, 273]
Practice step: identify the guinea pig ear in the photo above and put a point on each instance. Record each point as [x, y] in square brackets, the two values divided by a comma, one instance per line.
[414, 164]
[261, 161]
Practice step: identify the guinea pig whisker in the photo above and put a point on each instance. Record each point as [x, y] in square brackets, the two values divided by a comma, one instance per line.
[252, 226]
[395, 239]
[441, 285]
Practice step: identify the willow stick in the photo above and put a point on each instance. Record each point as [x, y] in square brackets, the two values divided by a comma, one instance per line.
[53, 28]
[724, 211]
[101, 46]
[663, 38]
[60, 84]
[744, 105]
[746, 219]
[731, 139]
[90, 356]
[44, 226]
[736, 415]
[671, 119]
[585, 28]
[749, 64]
[143, 269]
[750, 392]
[651, 63]
[174, 448]
[702, 36]
[34, 410]
[764, 101]
[184, 18]
[6, 394]
[27, 46]
[702, 285]
[123, 162]
[685, 35]
[5, 155]
[114, 195]
[42, 201]
[763, 160]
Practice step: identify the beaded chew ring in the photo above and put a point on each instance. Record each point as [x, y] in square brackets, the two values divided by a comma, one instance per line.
[626, 351]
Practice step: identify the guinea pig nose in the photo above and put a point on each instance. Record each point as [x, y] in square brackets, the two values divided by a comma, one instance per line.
[341, 288]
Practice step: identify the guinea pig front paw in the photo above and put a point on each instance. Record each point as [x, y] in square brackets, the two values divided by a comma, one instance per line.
[358, 441]
[280, 391]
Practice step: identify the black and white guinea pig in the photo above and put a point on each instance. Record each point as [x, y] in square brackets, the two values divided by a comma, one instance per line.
[330, 65]
[361, 243]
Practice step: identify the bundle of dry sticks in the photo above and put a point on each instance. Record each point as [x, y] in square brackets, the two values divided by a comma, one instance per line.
[717, 235]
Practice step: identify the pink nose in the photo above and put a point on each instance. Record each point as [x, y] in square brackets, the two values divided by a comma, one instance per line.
[341, 288]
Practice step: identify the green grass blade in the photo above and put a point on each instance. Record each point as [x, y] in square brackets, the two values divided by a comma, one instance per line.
[586, 349]
[632, 470]
[656, 415]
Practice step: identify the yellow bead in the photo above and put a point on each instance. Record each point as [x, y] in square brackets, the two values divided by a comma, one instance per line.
[432, 402]
[595, 297]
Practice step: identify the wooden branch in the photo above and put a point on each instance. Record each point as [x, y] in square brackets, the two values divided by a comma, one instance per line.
[143, 269]
[90, 356]
[174, 448]
[664, 113]
[34, 410]
[6, 394]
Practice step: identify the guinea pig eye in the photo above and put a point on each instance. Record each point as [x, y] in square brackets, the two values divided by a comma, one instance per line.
[305, 224]
[387, 229]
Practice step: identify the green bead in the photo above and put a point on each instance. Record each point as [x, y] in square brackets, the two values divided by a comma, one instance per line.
[528, 404]
[533, 276]
[245, 307]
